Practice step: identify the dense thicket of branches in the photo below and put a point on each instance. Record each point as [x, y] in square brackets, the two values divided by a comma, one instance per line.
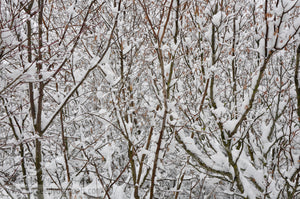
[149, 99]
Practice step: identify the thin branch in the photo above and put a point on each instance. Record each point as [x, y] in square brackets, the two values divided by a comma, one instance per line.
[93, 66]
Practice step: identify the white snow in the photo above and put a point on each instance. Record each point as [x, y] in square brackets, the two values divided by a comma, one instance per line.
[71, 9]
[230, 125]
[107, 152]
[217, 18]
[118, 192]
